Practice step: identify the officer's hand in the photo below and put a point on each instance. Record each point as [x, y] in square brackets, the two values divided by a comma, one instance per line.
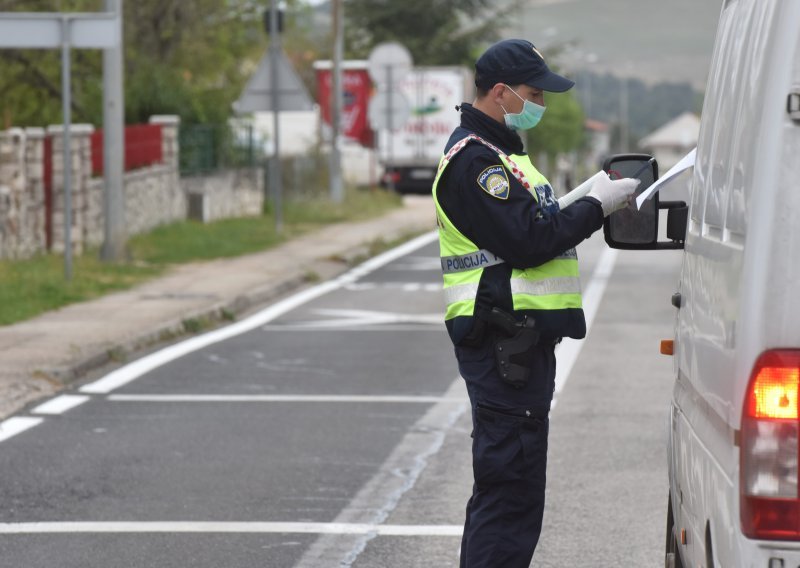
[613, 194]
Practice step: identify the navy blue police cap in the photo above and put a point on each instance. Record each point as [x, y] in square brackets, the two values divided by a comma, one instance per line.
[517, 62]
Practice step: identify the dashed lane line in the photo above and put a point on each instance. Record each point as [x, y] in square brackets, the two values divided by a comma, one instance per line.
[17, 425]
[60, 404]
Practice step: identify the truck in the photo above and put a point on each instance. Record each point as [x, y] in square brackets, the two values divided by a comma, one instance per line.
[734, 420]
[410, 154]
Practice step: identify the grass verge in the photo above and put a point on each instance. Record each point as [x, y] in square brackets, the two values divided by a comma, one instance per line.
[30, 287]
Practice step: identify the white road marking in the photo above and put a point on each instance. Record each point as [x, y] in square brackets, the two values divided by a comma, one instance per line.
[569, 349]
[60, 404]
[383, 317]
[361, 318]
[14, 426]
[230, 527]
[395, 286]
[133, 371]
[356, 327]
[397, 475]
[283, 398]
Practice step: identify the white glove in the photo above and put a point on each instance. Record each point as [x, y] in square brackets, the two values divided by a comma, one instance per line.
[613, 194]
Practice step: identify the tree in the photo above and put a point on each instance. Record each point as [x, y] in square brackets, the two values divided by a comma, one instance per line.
[183, 57]
[436, 32]
[561, 129]
[30, 80]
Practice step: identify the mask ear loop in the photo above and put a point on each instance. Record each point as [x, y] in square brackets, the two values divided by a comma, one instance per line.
[515, 92]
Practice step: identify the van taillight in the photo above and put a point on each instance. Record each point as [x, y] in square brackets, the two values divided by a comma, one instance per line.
[770, 504]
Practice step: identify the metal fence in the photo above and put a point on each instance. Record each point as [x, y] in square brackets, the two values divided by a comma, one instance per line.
[206, 148]
[304, 177]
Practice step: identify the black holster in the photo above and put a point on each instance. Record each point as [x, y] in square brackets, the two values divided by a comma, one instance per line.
[512, 347]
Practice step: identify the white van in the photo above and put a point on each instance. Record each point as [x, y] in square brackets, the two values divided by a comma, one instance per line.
[733, 429]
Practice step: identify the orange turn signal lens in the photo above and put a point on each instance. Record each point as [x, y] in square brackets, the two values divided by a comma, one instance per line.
[667, 347]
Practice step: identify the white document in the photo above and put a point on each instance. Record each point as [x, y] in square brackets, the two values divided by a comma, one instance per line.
[686, 162]
[581, 191]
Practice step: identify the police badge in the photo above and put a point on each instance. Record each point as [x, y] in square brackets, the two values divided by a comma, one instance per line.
[494, 181]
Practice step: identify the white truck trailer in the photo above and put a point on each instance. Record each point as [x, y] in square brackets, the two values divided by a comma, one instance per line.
[410, 154]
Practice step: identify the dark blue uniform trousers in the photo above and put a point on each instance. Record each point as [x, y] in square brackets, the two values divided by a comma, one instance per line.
[509, 459]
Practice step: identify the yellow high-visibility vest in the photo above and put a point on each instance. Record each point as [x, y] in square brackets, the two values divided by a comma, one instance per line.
[554, 285]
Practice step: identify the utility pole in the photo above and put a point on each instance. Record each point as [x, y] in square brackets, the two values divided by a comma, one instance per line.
[274, 61]
[115, 235]
[336, 102]
[66, 101]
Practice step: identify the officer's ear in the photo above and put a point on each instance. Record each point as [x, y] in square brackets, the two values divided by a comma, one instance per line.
[496, 92]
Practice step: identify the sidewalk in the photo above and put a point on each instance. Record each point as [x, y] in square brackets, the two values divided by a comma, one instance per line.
[40, 356]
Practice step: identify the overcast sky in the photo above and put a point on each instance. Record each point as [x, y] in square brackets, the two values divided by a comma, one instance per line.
[655, 40]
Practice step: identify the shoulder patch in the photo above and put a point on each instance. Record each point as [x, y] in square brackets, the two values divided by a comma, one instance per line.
[494, 181]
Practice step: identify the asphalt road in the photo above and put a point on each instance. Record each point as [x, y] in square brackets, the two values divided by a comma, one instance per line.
[331, 429]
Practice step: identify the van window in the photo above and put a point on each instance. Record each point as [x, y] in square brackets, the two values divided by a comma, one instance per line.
[714, 148]
[741, 188]
[734, 105]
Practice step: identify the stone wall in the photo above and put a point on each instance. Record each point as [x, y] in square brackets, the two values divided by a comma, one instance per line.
[22, 218]
[229, 193]
[83, 206]
[153, 196]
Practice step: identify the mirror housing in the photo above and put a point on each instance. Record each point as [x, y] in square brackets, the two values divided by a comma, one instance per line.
[637, 229]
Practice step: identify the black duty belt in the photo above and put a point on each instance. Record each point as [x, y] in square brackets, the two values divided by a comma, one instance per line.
[528, 418]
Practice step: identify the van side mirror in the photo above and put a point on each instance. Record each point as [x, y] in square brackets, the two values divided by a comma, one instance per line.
[637, 229]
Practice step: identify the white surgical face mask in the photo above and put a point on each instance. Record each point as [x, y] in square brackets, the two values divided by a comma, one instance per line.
[527, 118]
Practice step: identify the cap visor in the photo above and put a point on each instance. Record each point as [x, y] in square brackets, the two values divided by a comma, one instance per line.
[552, 82]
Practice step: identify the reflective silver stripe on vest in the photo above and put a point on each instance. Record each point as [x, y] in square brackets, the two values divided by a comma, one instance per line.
[561, 285]
[479, 259]
[460, 293]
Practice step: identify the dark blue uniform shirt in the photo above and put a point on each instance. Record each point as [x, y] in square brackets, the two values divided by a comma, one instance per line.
[517, 228]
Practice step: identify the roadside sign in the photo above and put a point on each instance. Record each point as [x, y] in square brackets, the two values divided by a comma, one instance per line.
[389, 62]
[22, 30]
[389, 110]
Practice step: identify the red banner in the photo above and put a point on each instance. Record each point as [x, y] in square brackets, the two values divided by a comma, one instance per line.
[357, 88]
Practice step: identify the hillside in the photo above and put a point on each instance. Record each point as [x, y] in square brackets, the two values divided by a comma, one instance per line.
[653, 40]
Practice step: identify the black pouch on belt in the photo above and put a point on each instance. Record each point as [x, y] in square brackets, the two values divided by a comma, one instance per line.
[515, 339]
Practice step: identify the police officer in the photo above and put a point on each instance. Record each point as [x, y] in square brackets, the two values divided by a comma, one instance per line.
[512, 289]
